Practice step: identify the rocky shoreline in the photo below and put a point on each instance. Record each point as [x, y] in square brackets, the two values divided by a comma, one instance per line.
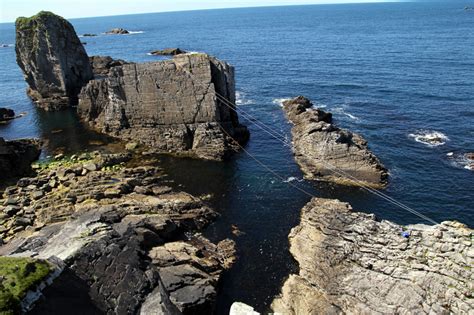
[326, 152]
[122, 231]
[351, 263]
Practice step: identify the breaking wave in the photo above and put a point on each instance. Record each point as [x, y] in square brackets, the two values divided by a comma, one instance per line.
[136, 32]
[462, 160]
[241, 99]
[342, 111]
[429, 137]
[6, 45]
[279, 101]
[293, 179]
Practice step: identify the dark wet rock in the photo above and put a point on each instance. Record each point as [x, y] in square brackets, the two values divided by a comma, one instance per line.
[117, 31]
[125, 252]
[168, 52]
[6, 114]
[170, 105]
[319, 146]
[351, 263]
[89, 35]
[52, 58]
[16, 157]
[102, 64]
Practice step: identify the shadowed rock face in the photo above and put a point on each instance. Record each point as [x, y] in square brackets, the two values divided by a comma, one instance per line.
[320, 147]
[16, 157]
[170, 105]
[52, 58]
[352, 264]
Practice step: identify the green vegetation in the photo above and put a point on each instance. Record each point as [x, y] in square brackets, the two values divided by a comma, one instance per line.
[17, 276]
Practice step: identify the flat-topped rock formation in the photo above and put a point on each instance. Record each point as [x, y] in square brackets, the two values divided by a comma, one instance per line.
[16, 157]
[170, 105]
[125, 238]
[352, 264]
[117, 31]
[320, 148]
[52, 58]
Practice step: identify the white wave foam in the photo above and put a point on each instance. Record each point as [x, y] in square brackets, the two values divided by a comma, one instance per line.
[429, 137]
[240, 99]
[279, 101]
[6, 45]
[461, 160]
[293, 179]
[342, 111]
[136, 32]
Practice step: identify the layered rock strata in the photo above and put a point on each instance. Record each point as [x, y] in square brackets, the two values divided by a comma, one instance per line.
[326, 152]
[127, 240]
[351, 263]
[52, 58]
[172, 106]
[16, 157]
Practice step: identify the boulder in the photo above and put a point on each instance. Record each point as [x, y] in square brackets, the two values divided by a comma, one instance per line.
[168, 52]
[6, 114]
[171, 106]
[320, 148]
[117, 31]
[52, 58]
[351, 263]
[16, 157]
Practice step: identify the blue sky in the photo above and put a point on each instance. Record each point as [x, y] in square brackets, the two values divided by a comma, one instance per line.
[11, 9]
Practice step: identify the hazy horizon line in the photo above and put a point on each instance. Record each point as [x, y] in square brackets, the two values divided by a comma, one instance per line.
[224, 8]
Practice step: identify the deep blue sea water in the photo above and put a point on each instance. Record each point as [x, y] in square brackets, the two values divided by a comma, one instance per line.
[389, 71]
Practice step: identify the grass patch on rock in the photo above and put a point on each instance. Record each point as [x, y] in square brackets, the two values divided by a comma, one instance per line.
[17, 276]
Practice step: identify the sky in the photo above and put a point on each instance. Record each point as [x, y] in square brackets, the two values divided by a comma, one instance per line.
[11, 9]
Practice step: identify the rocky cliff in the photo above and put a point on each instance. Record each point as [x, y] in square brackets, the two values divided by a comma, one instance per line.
[16, 157]
[351, 263]
[320, 148]
[52, 58]
[126, 240]
[172, 106]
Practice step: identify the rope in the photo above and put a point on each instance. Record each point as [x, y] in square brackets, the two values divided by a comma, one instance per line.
[334, 169]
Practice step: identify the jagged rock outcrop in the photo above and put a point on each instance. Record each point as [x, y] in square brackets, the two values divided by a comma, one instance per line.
[127, 240]
[172, 106]
[320, 148]
[168, 52]
[16, 157]
[101, 65]
[52, 58]
[351, 263]
[6, 114]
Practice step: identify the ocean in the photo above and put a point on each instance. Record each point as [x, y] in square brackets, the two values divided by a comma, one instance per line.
[393, 72]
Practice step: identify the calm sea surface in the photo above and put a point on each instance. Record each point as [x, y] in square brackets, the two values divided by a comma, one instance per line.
[392, 72]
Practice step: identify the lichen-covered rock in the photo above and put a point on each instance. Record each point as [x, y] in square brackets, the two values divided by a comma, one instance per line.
[170, 106]
[52, 58]
[324, 151]
[16, 157]
[351, 263]
[124, 252]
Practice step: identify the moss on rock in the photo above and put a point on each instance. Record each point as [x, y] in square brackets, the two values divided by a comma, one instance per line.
[17, 276]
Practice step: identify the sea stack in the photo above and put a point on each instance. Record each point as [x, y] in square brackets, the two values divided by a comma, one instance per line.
[184, 106]
[321, 148]
[53, 60]
[351, 263]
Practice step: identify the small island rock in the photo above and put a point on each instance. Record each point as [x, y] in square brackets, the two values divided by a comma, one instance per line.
[6, 114]
[324, 151]
[117, 31]
[168, 52]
